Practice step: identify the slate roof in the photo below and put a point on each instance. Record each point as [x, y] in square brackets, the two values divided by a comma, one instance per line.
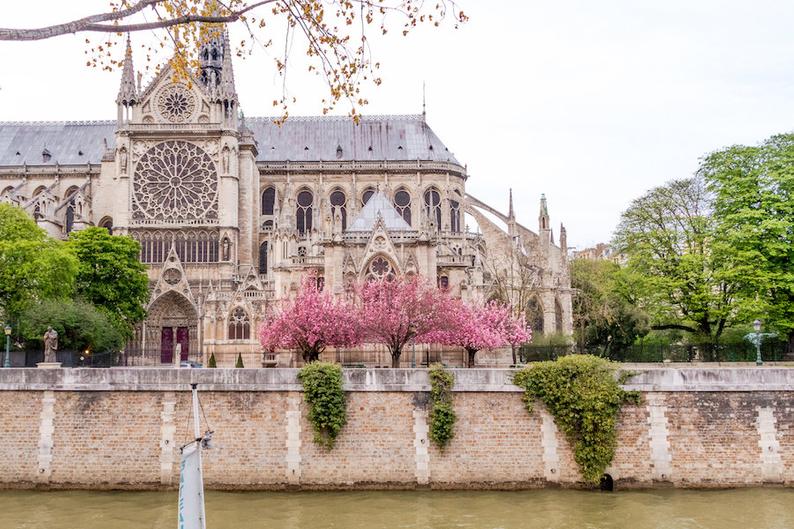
[378, 204]
[64, 140]
[315, 138]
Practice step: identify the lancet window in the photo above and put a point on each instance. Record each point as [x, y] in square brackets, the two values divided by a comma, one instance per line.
[303, 212]
[433, 207]
[402, 203]
[268, 200]
[191, 247]
[339, 204]
[454, 216]
[239, 325]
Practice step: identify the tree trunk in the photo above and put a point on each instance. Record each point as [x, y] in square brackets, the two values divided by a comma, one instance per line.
[513, 350]
[395, 358]
[790, 346]
[312, 355]
[471, 357]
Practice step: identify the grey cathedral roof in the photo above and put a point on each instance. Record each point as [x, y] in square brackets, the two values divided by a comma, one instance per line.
[315, 138]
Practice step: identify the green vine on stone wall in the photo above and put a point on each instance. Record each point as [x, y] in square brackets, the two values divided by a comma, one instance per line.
[325, 395]
[442, 416]
[584, 396]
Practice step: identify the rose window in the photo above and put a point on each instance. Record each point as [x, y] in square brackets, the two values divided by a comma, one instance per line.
[380, 268]
[176, 103]
[175, 181]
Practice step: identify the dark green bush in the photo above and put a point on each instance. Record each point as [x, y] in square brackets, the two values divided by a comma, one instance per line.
[584, 396]
[212, 362]
[325, 395]
[239, 363]
[442, 416]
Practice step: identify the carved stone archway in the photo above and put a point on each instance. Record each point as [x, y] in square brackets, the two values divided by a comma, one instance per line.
[172, 320]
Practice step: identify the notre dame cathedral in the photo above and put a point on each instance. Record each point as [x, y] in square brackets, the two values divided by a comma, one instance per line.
[232, 211]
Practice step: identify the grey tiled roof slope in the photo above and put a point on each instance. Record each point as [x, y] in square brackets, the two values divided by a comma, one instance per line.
[313, 138]
[374, 138]
[63, 139]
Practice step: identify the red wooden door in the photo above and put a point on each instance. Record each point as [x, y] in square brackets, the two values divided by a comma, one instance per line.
[183, 338]
[167, 345]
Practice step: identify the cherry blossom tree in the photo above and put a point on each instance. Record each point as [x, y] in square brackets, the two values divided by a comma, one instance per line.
[310, 323]
[394, 312]
[515, 331]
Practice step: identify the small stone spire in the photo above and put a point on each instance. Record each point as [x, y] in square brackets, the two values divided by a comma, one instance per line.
[563, 239]
[128, 94]
[227, 90]
[543, 218]
[510, 212]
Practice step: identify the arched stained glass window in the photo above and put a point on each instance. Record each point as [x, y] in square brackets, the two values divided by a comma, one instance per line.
[263, 258]
[304, 212]
[239, 325]
[366, 195]
[268, 200]
[433, 207]
[402, 203]
[339, 203]
[454, 216]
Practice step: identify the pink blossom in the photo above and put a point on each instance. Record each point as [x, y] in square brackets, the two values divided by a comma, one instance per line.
[393, 312]
[310, 323]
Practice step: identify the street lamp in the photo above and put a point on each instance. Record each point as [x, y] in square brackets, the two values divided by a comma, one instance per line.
[757, 326]
[7, 358]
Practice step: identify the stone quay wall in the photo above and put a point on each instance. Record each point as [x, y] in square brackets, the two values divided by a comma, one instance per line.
[121, 428]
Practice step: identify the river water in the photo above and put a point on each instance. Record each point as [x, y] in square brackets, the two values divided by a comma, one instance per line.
[538, 509]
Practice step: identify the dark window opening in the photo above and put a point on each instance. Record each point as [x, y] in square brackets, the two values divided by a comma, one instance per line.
[263, 258]
[402, 203]
[339, 203]
[268, 201]
[304, 212]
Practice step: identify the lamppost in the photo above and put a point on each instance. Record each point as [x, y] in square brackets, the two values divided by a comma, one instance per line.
[757, 326]
[7, 358]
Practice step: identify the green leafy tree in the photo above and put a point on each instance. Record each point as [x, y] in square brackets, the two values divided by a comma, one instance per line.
[667, 236]
[80, 326]
[606, 318]
[754, 211]
[33, 266]
[110, 275]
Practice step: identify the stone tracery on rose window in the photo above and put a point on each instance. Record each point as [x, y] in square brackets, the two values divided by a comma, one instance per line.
[175, 181]
[176, 103]
[380, 268]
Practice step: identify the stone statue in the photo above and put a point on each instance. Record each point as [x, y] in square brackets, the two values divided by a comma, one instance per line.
[225, 160]
[50, 345]
[225, 249]
[123, 160]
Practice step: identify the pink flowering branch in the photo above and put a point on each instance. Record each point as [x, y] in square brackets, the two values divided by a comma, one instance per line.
[310, 323]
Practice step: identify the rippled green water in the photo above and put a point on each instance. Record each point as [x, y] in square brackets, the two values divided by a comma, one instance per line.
[552, 509]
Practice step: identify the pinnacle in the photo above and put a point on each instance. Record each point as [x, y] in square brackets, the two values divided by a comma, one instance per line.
[128, 94]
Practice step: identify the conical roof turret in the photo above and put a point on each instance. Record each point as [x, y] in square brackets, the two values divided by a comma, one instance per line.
[227, 91]
[128, 93]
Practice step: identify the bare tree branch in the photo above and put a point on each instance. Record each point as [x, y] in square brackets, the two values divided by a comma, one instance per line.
[92, 23]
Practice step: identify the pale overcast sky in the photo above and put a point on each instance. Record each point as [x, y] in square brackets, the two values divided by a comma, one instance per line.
[591, 103]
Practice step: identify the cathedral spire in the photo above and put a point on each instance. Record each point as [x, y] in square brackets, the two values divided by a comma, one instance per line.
[128, 95]
[227, 90]
[510, 212]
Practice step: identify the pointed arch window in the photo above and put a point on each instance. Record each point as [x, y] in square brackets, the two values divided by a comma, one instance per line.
[268, 200]
[303, 212]
[433, 207]
[366, 195]
[70, 217]
[454, 216]
[339, 203]
[263, 258]
[402, 203]
[239, 325]
[557, 316]
[107, 223]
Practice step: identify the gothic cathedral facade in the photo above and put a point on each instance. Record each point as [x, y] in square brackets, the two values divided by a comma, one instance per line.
[233, 212]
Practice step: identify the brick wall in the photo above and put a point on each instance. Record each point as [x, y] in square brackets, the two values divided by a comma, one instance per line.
[76, 436]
